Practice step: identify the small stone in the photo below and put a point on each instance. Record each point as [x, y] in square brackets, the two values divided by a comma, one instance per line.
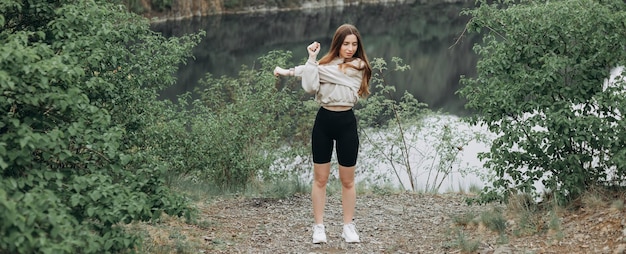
[511, 223]
[396, 209]
[503, 250]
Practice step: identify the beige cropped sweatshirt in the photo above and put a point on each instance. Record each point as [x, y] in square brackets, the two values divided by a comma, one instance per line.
[331, 85]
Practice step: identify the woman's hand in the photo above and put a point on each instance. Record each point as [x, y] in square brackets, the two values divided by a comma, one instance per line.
[282, 72]
[313, 50]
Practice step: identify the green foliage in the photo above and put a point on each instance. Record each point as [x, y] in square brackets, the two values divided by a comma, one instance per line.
[464, 219]
[379, 110]
[279, 188]
[494, 220]
[464, 243]
[390, 131]
[232, 134]
[137, 6]
[79, 83]
[539, 88]
[383, 114]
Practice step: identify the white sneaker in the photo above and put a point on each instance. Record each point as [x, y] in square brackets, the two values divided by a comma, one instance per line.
[349, 233]
[319, 233]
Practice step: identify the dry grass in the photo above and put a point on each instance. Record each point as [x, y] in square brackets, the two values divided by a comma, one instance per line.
[170, 234]
[594, 198]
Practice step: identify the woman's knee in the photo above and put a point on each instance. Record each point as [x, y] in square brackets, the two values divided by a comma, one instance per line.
[347, 183]
[347, 178]
[320, 181]
[320, 174]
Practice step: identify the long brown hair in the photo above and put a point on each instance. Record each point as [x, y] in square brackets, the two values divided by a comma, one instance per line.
[340, 35]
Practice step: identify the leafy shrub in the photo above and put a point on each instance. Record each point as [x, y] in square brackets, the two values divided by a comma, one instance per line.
[539, 88]
[231, 135]
[390, 119]
[79, 83]
[407, 136]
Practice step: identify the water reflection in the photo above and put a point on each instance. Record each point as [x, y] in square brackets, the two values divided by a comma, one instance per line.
[423, 35]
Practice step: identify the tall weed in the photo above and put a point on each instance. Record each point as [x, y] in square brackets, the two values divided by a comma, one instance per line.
[408, 138]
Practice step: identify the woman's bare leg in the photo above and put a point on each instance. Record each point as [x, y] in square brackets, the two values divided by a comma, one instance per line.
[348, 192]
[318, 191]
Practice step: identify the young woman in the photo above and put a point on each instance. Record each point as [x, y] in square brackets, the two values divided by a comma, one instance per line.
[338, 80]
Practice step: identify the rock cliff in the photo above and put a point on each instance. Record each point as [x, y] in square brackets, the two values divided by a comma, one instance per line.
[182, 9]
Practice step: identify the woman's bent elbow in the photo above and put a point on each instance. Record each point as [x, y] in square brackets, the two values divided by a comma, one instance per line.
[309, 89]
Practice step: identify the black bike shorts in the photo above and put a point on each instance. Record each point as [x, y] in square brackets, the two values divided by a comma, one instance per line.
[339, 127]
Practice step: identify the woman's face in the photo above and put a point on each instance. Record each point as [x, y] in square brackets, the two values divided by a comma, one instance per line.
[349, 46]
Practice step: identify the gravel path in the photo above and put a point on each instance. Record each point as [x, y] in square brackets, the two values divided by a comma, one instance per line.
[393, 223]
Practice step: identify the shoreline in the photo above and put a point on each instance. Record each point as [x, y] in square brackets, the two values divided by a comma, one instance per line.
[178, 13]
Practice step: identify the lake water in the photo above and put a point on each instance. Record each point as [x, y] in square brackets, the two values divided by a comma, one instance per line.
[425, 36]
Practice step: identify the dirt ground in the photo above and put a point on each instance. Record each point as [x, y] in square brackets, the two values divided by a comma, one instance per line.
[390, 223]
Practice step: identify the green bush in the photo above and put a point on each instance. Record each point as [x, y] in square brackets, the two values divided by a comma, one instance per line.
[79, 84]
[539, 88]
[233, 133]
[252, 116]
[386, 124]
[392, 131]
